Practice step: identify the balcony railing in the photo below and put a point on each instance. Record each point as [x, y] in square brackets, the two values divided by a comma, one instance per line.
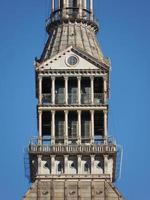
[98, 98]
[46, 99]
[60, 131]
[86, 99]
[60, 98]
[72, 130]
[71, 14]
[73, 99]
[98, 140]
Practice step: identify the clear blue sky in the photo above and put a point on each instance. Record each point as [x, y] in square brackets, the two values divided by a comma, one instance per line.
[125, 37]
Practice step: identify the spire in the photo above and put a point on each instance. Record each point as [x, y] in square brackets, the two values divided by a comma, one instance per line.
[72, 23]
[71, 10]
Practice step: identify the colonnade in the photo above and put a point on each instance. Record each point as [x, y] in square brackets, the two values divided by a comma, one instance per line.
[82, 4]
[79, 137]
[66, 79]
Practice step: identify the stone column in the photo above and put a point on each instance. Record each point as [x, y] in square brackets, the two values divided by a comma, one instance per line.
[91, 9]
[92, 126]
[64, 8]
[40, 90]
[58, 4]
[66, 90]
[84, 4]
[80, 8]
[66, 164]
[40, 127]
[39, 164]
[53, 128]
[53, 90]
[79, 90]
[105, 89]
[53, 168]
[79, 164]
[79, 126]
[92, 90]
[53, 5]
[92, 163]
[66, 127]
[105, 124]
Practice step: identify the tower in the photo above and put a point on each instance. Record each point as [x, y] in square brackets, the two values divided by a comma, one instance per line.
[73, 156]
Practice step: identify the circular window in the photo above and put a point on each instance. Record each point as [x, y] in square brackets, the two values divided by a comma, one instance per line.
[72, 61]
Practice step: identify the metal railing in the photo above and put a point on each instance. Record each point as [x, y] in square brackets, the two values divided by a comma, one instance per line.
[60, 130]
[71, 14]
[72, 130]
[46, 98]
[98, 98]
[86, 99]
[73, 99]
[59, 98]
[98, 140]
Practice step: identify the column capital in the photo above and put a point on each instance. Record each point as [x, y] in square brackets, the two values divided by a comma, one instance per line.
[92, 78]
[40, 76]
[92, 111]
[104, 77]
[105, 155]
[66, 77]
[79, 77]
[53, 77]
[52, 156]
[66, 111]
[92, 156]
[40, 156]
[40, 111]
[53, 111]
[105, 111]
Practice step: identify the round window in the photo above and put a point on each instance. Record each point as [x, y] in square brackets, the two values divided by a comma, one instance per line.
[72, 61]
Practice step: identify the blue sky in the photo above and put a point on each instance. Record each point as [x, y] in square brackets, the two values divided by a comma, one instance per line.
[125, 38]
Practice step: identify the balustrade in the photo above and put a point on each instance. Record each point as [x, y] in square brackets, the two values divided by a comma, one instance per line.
[73, 148]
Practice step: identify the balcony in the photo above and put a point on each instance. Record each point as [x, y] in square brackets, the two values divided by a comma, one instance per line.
[105, 146]
[72, 14]
[72, 149]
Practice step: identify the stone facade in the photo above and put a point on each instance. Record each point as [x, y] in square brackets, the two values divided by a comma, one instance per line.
[72, 190]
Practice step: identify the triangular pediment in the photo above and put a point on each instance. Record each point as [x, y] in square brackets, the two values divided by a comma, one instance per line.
[82, 61]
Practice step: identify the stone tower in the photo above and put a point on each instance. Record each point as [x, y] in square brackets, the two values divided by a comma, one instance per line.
[72, 157]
